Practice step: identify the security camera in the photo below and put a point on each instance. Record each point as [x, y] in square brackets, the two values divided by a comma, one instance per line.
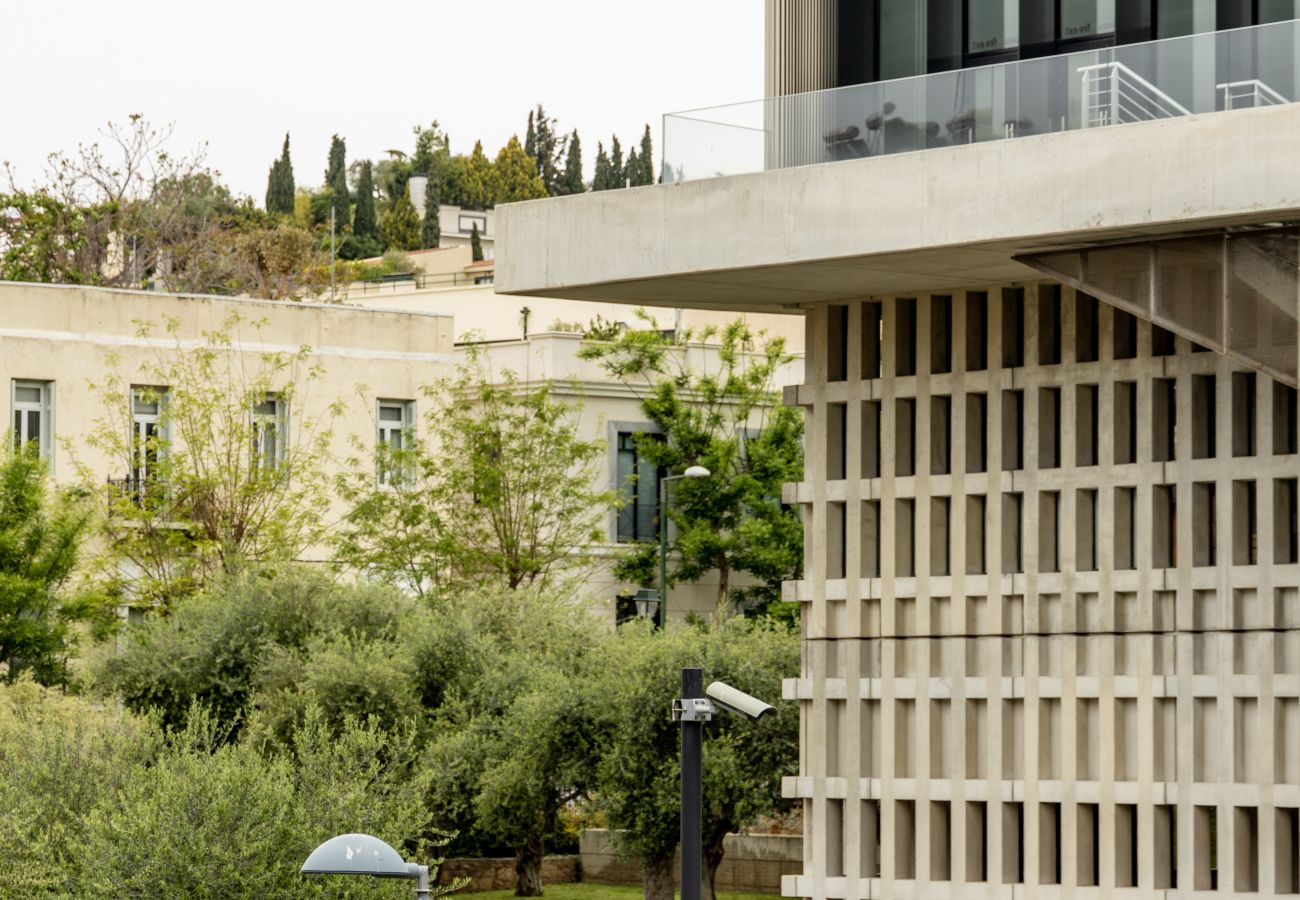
[737, 701]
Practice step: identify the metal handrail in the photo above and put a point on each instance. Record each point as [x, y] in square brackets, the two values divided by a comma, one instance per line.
[1259, 93]
[1141, 102]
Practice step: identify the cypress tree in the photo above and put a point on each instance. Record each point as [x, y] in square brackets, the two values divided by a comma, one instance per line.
[336, 178]
[571, 181]
[647, 158]
[279, 183]
[430, 227]
[547, 149]
[633, 169]
[475, 243]
[617, 178]
[530, 139]
[601, 181]
[364, 221]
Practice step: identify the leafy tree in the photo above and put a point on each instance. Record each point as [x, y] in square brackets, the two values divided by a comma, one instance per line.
[41, 539]
[431, 153]
[46, 239]
[402, 225]
[515, 175]
[336, 179]
[393, 175]
[200, 502]
[603, 179]
[727, 417]
[274, 262]
[515, 734]
[364, 223]
[241, 634]
[430, 226]
[571, 180]
[475, 243]
[638, 784]
[632, 169]
[530, 138]
[498, 490]
[279, 184]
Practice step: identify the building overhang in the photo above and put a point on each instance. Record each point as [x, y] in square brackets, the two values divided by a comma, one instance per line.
[931, 220]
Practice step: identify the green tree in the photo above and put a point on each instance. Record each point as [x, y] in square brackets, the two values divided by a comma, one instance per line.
[726, 416]
[515, 176]
[603, 179]
[475, 243]
[632, 169]
[430, 226]
[478, 179]
[364, 223]
[401, 226]
[647, 159]
[46, 239]
[547, 149]
[571, 180]
[198, 502]
[530, 138]
[498, 489]
[617, 177]
[638, 783]
[515, 736]
[336, 179]
[41, 539]
[279, 184]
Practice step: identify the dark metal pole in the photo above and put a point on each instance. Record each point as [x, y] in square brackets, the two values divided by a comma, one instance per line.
[692, 764]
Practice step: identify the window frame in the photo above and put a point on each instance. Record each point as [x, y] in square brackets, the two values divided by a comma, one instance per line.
[45, 410]
[139, 443]
[618, 430]
[279, 420]
[386, 477]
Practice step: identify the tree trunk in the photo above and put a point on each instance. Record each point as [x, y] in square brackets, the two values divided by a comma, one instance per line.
[712, 858]
[528, 868]
[658, 880]
[724, 584]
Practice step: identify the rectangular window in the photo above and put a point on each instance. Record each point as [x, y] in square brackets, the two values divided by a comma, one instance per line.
[992, 25]
[396, 419]
[1126, 334]
[638, 478]
[1086, 328]
[1285, 538]
[1049, 325]
[977, 430]
[870, 442]
[837, 343]
[905, 437]
[1284, 419]
[1049, 428]
[149, 437]
[1164, 514]
[1013, 430]
[1203, 416]
[870, 340]
[940, 334]
[1086, 424]
[940, 435]
[1164, 419]
[977, 331]
[1126, 422]
[33, 406]
[270, 440]
[1243, 413]
[1086, 18]
[1012, 531]
[1013, 328]
[1085, 529]
[1162, 341]
[905, 336]
[976, 510]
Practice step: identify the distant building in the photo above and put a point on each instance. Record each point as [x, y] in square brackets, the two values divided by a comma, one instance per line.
[456, 223]
[1052, 590]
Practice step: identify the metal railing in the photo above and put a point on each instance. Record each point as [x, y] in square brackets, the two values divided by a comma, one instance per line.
[1201, 73]
[416, 282]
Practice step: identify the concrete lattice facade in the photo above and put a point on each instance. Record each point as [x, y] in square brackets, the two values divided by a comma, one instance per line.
[1052, 606]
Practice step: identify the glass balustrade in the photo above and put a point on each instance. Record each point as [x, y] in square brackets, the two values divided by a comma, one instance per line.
[1217, 71]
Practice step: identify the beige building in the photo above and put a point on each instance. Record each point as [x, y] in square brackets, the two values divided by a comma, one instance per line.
[1052, 597]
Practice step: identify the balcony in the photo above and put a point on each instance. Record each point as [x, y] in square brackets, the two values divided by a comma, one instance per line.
[1166, 79]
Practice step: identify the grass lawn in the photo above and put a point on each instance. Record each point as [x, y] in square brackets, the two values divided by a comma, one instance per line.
[599, 892]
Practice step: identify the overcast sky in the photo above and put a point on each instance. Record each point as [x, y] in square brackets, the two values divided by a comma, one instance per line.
[239, 73]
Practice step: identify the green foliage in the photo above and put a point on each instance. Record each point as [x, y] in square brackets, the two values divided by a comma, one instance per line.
[496, 491]
[638, 786]
[603, 178]
[401, 226]
[336, 180]
[515, 736]
[475, 243]
[570, 181]
[46, 239]
[41, 539]
[546, 148]
[205, 503]
[478, 179]
[617, 177]
[244, 631]
[279, 183]
[430, 226]
[516, 175]
[364, 223]
[647, 173]
[728, 418]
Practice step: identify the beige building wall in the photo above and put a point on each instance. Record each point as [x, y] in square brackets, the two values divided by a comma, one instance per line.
[72, 338]
[1052, 609]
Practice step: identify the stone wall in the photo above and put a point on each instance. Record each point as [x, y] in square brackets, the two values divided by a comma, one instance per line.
[499, 874]
[752, 862]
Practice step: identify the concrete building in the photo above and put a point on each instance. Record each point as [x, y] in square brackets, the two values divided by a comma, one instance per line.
[456, 223]
[1052, 592]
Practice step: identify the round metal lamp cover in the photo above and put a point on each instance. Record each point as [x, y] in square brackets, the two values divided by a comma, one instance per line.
[356, 854]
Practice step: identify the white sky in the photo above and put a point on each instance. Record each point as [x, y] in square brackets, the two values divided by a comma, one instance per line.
[238, 73]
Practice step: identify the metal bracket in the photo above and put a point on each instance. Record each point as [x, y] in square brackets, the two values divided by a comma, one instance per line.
[694, 709]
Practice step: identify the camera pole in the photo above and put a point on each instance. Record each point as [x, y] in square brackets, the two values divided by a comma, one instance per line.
[692, 763]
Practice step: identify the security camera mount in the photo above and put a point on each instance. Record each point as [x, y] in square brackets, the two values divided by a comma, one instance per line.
[693, 709]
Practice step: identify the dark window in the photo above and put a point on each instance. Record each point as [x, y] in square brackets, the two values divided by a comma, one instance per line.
[638, 478]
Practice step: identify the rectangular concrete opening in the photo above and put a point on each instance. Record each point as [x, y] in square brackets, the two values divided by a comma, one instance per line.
[1049, 545]
[1085, 529]
[835, 547]
[1013, 328]
[1013, 430]
[1013, 520]
[1049, 843]
[1049, 739]
[1204, 527]
[869, 540]
[1125, 334]
[976, 515]
[1284, 419]
[905, 839]
[1243, 413]
[1286, 541]
[977, 712]
[1087, 742]
[1013, 843]
[940, 532]
[905, 437]
[1203, 416]
[940, 435]
[1049, 324]
[837, 342]
[977, 331]
[869, 840]
[1126, 845]
[1126, 739]
[834, 837]
[836, 440]
[1165, 858]
[1087, 334]
[905, 336]
[1087, 843]
[1125, 422]
[1086, 424]
[1162, 341]
[977, 846]
[1164, 534]
[905, 537]
[1049, 428]
[940, 334]
[1164, 419]
[1245, 534]
[1164, 738]
[1205, 851]
[870, 442]
[1246, 857]
[1013, 738]
[1286, 855]
[870, 340]
[940, 840]
[977, 429]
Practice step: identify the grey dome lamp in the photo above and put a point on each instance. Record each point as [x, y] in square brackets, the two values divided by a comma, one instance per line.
[362, 854]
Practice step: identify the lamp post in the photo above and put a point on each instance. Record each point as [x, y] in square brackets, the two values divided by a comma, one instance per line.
[691, 472]
[362, 854]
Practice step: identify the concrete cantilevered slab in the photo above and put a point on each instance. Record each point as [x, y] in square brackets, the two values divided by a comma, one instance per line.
[929, 220]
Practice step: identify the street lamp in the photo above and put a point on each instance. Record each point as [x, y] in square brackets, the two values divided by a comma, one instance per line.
[691, 472]
[361, 854]
[647, 603]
